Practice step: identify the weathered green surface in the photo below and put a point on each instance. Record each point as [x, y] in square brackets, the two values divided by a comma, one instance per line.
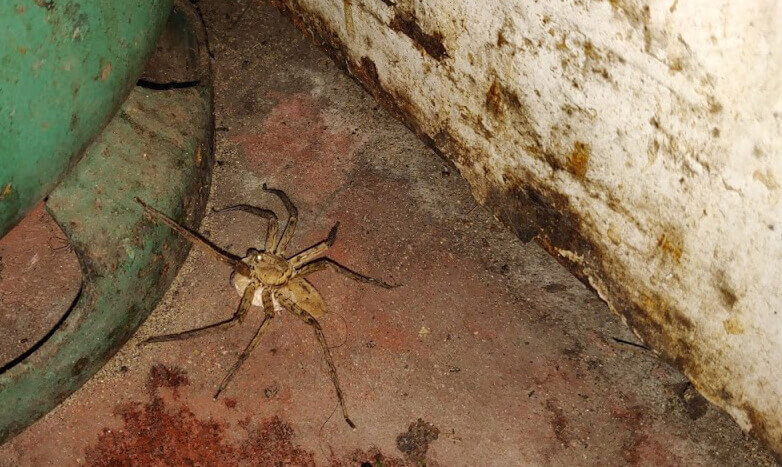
[157, 147]
[65, 67]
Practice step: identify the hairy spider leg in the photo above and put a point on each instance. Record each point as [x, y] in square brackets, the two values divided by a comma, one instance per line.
[328, 263]
[268, 309]
[238, 317]
[196, 239]
[313, 251]
[310, 320]
[293, 218]
[271, 231]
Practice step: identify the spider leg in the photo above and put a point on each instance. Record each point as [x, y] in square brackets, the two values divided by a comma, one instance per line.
[244, 307]
[309, 319]
[293, 218]
[268, 308]
[313, 251]
[196, 239]
[328, 263]
[271, 232]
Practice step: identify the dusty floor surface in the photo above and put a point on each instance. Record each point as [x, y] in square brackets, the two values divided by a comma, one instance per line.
[489, 354]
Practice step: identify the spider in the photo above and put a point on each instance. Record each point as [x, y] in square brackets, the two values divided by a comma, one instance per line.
[269, 279]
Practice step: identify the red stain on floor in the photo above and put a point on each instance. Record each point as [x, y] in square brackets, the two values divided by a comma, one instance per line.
[643, 446]
[161, 376]
[154, 434]
[297, 130]
[271, 444]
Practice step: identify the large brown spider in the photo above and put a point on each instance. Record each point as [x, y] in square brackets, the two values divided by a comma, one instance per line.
[269, 279]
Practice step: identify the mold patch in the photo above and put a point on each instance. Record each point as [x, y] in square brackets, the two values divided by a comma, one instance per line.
[415, 441]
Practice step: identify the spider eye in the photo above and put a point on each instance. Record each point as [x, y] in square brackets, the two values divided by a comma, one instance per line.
[258, 257]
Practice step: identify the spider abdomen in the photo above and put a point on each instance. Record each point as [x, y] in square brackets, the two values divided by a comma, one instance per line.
[297, 289]
[301, 292]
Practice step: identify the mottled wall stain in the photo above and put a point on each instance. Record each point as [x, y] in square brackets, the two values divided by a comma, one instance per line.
[767, 178]
[671, 243]
[495, 104]
[578, 161]
[733, 326]
[431, 44]
[347, 8]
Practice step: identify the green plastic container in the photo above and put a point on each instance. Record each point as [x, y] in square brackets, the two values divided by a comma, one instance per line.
[65, 68]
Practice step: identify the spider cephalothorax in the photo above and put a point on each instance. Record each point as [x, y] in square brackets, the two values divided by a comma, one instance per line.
[267, 278]
[268, 268]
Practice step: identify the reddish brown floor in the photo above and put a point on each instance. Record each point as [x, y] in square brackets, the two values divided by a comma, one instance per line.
[490, 353]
